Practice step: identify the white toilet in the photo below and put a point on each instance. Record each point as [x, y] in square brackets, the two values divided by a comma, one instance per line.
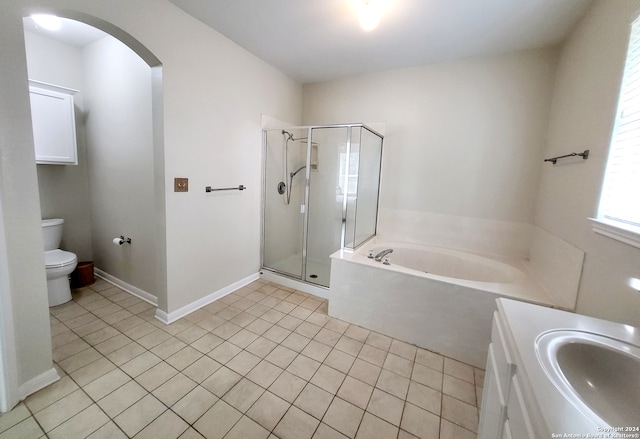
[59, 263]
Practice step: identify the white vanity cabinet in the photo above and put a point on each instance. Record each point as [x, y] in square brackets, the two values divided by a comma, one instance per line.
[54, 127]
[504, 412]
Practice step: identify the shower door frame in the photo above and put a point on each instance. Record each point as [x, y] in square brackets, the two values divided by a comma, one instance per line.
[305, 225]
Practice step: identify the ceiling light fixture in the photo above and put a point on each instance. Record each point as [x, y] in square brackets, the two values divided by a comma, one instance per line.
[370, 13]
[47, 21]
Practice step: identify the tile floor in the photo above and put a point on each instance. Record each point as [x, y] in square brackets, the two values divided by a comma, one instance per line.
[263, 362]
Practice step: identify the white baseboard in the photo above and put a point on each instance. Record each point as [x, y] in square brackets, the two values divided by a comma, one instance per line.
[168, 318]
[39, 382]
[141, 294]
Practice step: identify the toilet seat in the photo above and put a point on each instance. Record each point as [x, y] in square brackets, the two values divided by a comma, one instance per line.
[59, 258]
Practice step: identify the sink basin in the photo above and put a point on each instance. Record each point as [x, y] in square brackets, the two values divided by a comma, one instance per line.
[598, 374]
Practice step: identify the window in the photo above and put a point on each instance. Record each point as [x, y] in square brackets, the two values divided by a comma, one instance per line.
[619, 210]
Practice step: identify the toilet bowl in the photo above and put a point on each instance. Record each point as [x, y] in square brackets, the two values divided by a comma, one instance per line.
[59, 263]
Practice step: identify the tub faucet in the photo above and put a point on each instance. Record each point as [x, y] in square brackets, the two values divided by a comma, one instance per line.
[382, 254]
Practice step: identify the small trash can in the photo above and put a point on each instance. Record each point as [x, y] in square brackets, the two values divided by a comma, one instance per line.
[82, 275]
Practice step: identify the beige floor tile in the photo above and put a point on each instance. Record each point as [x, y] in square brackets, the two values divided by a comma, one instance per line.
[226, 330]
[372, 355]
[129, 323]
[243, 362]
[460, 413]
[327, 336]
[195, 404]
[126, 353]
[27, 428]
[264, 374]
[460, 389]
[357, 333]
[139, 415]
[349, 345]
[316, 351]
[243, 395]
[168, 347]
[101, 335]
[81, 425]
[207, 343]
[325, 432]
[449, 430]
[70, 349]
[122, 398]
[393, 383]
[50, 394]
[425, 397]
[107, 310]
[304, 367]
[355, 392]
[399, 365]
[156, 376]
[458, 370]
[153, 338]
[430, 359]
[287, 386]
[15, 416]
[314, 400]
[174, 389]
[274, 316]
[218, 420]
[296, 424]
[328, 379]
[259, 326]
[63, 409]
[288, 322]
[90, 372]
[343, 417]
[101, 387]
[379, 341]
[184, 358]
[285, 307]
[108, 431]
[140, 364]
[224, 352]
[243, 319]
[365, 371]
[268, 410]
[318, 319]
[308, 329]
[427, 376]
[386, 406]
[339, 360]
[201, 369]
[276, 334]
[296, 342]
[167, 426]
[420, 423]
[191, 334]
[221, 381]
[281, 356]
[243, 338]
[261, 347]
[336, 325]
[246, 428]
[139, 331]
[478, 376]
[373, 427]
[402, 349]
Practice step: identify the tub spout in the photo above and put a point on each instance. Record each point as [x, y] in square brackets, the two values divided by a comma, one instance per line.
[382, 254]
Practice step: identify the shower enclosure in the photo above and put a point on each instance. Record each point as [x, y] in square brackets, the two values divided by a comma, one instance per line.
[320, 194]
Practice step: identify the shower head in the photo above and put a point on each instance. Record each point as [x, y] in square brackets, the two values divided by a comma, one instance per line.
[288, 134]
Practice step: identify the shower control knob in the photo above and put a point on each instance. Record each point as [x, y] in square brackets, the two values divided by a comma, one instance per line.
[370, 255]
[386, 261]
[281, 187]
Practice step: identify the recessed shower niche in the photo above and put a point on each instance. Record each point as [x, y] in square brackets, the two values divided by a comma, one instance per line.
[320, 194]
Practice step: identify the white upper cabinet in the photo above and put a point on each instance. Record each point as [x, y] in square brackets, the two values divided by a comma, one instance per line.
[54, 127]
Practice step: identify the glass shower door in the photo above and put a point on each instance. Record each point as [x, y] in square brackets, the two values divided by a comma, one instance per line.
[284, 193]
[325, 205]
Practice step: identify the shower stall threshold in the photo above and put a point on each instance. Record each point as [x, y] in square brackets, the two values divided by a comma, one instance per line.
[297, 284]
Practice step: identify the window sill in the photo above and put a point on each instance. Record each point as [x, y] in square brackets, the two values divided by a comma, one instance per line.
[627, 234]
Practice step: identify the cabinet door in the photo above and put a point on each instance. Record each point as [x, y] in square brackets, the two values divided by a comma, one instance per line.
[493, 410]
[54, 131]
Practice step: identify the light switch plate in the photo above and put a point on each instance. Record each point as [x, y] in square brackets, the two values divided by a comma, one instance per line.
[181, 185]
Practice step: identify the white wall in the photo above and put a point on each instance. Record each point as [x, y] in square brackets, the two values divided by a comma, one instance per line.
[22, 247]
[119, 131]
[64, 190]
[582, 116]
[462, 138]
[214, 95]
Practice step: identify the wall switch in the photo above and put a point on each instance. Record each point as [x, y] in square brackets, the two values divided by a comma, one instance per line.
[181, 185]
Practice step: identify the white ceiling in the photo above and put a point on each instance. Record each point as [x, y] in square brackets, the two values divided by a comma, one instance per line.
[319, 40]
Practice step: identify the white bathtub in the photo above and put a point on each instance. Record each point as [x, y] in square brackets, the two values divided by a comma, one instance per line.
[439, 299]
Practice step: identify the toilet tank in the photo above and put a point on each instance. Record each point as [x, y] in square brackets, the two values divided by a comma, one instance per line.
[52, 233]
